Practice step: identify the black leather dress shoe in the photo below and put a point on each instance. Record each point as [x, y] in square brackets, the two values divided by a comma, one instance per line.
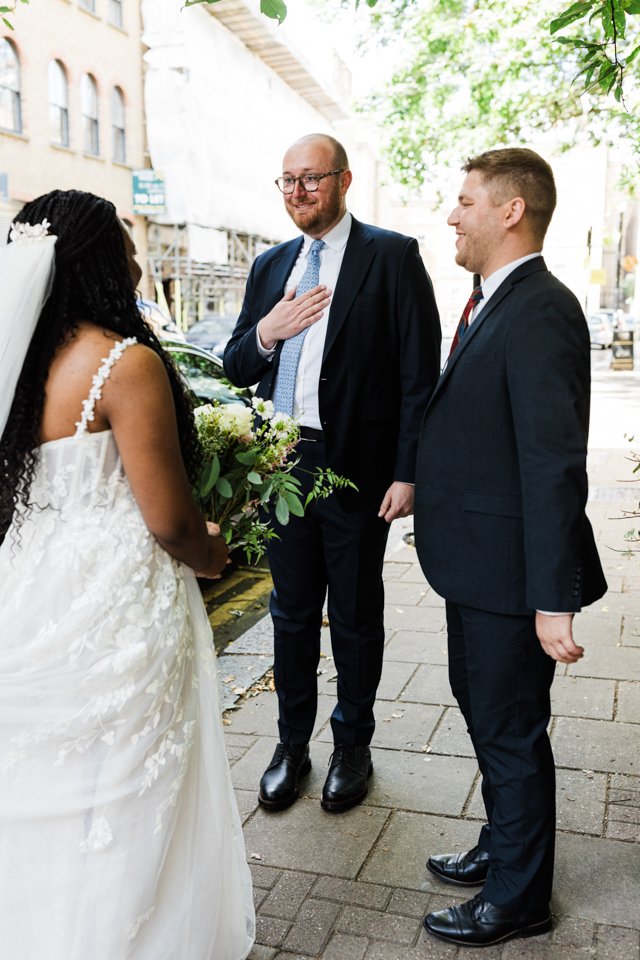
[279, 783]
[346, 785]
[478, 923]
[463, 869]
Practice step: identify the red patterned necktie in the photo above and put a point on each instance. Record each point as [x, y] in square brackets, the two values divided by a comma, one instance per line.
[475, 298]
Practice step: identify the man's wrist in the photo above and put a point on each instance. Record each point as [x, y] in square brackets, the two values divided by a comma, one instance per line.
[263, 349]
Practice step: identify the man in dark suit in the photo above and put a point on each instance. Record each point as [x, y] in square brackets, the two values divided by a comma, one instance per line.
[341, 329]
[502, 534]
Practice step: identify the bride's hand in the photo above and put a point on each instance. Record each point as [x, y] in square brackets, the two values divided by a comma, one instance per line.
[218, 554]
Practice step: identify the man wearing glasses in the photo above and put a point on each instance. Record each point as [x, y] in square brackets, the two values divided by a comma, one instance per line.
[341, 329]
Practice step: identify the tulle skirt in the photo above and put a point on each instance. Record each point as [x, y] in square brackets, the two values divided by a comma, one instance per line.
[119, 833]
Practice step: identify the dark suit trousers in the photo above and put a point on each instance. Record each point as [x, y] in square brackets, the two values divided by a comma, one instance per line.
[501, 678]
[342, 552]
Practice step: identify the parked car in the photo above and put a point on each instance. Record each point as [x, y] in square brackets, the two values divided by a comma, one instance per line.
[204, 374]
[212, 332]
[161, 324]
[600, 330]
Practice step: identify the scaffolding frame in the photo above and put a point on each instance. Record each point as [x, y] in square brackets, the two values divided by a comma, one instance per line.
[193, 288]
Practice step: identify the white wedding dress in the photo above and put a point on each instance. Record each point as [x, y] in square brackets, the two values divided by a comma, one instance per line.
[119, 834]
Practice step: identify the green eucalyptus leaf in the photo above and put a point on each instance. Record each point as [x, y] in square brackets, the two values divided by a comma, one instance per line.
[247, 457]
[254, 478]
[224, 488]
[209, 476]
[295, 504]
[282, 511]
[266, 492]
[292, 484]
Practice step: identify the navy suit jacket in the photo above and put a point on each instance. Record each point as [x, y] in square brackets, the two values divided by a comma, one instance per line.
[381, 355]
[501, 483]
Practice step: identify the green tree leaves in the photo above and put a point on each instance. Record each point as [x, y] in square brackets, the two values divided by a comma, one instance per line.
[4, 11]
[489, 73]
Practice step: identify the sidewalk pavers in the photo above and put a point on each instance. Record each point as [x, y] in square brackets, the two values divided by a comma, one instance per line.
[354, 886]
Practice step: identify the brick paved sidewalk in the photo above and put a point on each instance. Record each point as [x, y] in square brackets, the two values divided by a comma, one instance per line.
[354, 886]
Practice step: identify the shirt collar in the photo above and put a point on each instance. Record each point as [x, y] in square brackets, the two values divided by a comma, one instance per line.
[493, 281]
[337, 237]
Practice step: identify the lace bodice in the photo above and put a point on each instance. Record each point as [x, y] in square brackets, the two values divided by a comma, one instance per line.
[83, 469]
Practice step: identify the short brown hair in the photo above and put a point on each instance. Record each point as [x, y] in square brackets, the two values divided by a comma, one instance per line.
[519, 172]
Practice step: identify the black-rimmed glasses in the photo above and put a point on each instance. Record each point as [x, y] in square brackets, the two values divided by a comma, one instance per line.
[308, 181]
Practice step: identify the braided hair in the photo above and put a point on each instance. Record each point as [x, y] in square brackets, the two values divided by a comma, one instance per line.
[92, 283]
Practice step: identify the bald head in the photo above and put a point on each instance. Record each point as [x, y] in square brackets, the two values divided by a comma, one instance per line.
[338, 154]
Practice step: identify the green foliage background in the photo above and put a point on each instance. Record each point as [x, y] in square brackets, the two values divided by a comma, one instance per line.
[485, 73]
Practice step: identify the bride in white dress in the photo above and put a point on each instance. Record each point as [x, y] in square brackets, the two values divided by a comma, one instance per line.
[119, 834]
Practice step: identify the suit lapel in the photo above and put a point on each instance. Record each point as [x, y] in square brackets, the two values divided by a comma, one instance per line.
[505, 288]
[358, 256]
[281, 267]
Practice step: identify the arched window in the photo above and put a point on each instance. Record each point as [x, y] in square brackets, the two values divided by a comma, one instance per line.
[89, 5]
[118, 126]
[58, 104]
[90, 123]
[10, 106]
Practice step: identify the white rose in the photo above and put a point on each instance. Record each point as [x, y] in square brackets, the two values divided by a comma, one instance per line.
[237, 419]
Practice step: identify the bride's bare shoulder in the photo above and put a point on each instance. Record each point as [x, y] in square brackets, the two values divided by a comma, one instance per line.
[84, 351]
[72, 371]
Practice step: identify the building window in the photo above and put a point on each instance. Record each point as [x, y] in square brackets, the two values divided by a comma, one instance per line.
[115, 13]
[10, 107]
[89, 5]
[58, 104]
[119, 133]
[90, 124]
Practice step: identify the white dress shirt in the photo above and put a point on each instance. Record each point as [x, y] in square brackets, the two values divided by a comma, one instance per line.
[306, 409]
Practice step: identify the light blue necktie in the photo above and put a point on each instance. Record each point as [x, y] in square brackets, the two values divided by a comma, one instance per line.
[291, 348]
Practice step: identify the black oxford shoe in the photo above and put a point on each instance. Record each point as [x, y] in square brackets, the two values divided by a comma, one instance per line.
[279, 783]
[346, 785]
[478, 923]
[462, 869]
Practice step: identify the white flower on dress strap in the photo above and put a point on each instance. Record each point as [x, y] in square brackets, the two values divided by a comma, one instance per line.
[26, 232]
[88, 405]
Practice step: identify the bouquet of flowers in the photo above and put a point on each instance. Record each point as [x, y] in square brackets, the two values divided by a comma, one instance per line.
[247, 467]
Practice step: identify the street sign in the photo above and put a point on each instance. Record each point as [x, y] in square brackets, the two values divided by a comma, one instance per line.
[148, 192]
